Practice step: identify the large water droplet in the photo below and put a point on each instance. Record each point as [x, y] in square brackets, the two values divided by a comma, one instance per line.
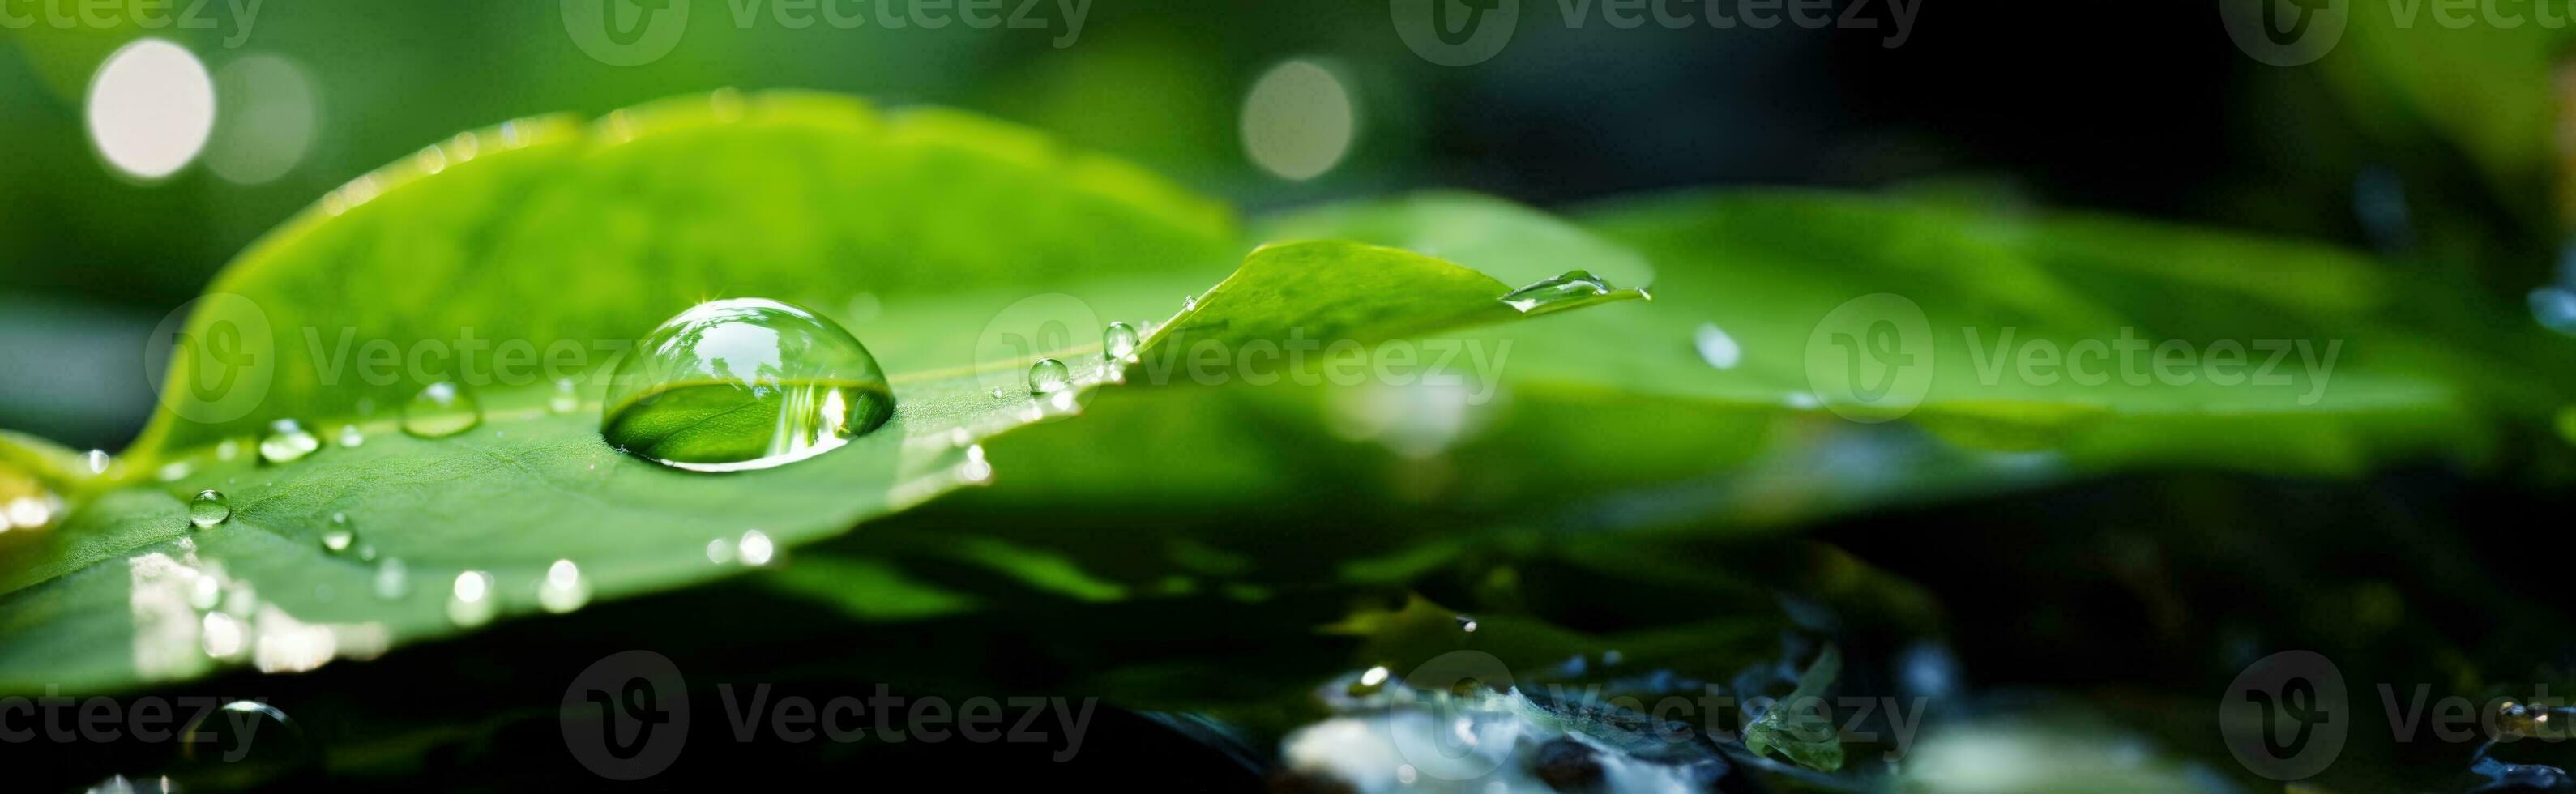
[1119, 342]
[444, 409]
[743, 384]
[287, 442]
[1049, 376]
[1573, 289]
[470, 602]
[209, 508]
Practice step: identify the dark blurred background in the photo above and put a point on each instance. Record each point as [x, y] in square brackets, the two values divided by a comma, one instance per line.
[2143, 108]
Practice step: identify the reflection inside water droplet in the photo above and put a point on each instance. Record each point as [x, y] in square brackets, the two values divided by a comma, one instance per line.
[441, 410]
[743, 384]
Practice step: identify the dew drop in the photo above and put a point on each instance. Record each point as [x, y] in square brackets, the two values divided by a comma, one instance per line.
[209, 508]
[1049, 376]
[720, 551]
[351, 436]
[96, 461]
[338, 540]
[1716, 347]
[1572, 289]
[1119, 342]
[566, 399]
[1370, 682]
[999, 392]
[1189, 303]
[755, 548]
[1466, 624]
[287, 442]
[444, 409]
[393, 579]
[470, 602]
[787, 384]
[563, 589]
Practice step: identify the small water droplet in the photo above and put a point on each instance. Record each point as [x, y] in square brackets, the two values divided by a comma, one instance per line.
[566, 399]
[2555, 308]
[1716, 347]
[228, 449]
[206, 592]
[563, 589]
[221, 635]
[337, 540]
[1370, 682]
[470, 601]
[351, 436]
[1049, 376]
[1000, 393]
[1572, 289]
[96, 461]
[441, 410]
[1466, 624]
[287, 442]
[393, 579]
[1119, 342]
[720, 551]
[248, 738]
[1189, 303]
[175, 470]
[975, 470]
[209, 508]
[754, 548]
[790, 384]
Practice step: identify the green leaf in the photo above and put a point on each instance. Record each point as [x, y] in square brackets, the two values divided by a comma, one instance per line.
[1798, 726]
[550, 232]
